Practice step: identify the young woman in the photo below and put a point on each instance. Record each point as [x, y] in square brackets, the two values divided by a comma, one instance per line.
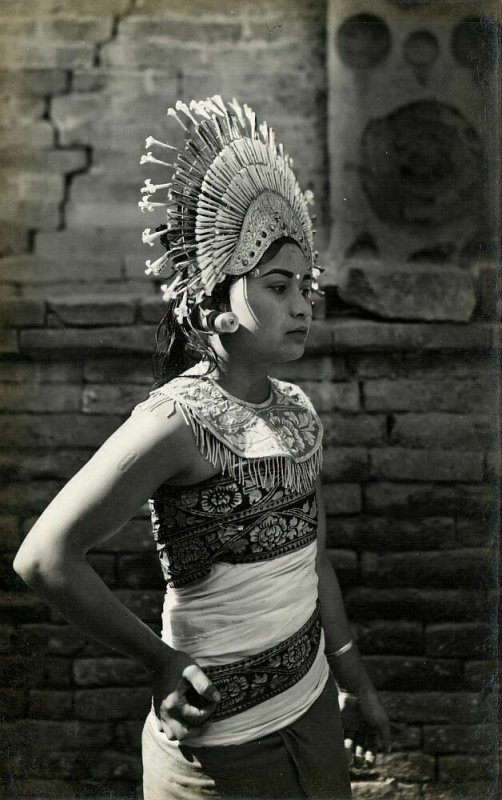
[254, 630]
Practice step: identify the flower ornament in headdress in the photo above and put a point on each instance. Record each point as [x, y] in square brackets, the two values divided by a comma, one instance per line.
[232, 192]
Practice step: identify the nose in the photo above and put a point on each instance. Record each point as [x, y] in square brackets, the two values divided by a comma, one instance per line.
[300, 306]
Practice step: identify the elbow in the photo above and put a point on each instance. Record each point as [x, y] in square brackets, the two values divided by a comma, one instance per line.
[28, 567]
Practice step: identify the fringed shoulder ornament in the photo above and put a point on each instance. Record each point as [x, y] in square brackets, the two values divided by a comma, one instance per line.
[280, 440]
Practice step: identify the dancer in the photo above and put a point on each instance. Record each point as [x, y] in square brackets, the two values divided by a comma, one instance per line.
[254, 630]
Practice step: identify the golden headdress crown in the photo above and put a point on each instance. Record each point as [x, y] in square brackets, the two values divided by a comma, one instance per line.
[232, 193]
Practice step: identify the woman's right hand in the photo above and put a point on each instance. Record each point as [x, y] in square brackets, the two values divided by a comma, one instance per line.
[183, 696]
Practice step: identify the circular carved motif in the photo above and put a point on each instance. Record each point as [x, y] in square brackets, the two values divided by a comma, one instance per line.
[363, 40]
[421, 49]
[475, 44]
[421, 165]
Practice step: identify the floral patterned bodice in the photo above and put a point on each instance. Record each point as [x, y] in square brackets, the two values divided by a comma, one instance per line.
[262, 504]
[224, 519]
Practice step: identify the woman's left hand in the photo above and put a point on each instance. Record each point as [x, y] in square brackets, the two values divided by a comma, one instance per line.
[366, 727]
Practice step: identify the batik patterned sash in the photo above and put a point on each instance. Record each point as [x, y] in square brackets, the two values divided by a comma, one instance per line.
[253, 680]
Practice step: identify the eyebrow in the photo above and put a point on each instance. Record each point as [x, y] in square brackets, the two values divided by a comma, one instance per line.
[286, 273]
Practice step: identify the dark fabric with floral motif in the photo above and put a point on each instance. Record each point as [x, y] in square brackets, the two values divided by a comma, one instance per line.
[226, 520]
[253, 680]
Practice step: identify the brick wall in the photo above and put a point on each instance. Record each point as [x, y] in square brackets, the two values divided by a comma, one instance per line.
[409, 407]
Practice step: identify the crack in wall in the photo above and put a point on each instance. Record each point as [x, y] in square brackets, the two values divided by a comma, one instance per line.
[69, 177]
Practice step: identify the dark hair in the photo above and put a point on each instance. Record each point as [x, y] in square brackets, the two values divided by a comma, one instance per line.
[179, 346]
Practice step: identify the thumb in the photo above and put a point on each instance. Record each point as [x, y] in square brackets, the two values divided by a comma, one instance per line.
[201, 683]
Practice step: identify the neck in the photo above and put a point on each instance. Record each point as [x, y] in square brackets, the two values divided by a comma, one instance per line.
[247, 381]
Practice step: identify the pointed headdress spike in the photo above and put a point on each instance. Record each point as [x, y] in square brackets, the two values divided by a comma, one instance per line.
[150, 140]
[180, 106]
[171, 112]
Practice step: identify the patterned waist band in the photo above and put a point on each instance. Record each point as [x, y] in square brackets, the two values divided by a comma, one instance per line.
[243, 684]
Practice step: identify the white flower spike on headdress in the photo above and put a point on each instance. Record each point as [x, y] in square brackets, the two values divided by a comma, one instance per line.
[232, 193]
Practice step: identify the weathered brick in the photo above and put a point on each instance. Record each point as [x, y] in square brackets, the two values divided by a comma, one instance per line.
[466, 640]
[345, 565]
[91, 310]
[442, 430]
[449, 708]
[10, 537]
[25, 465]
[50, 704]
[313, 368]
[390, 637]
[24, 269]
[345, 464]
[64, 431]
[135, 537]
[425, 395]
[57, 640]
[407, 766]
[113, 764]
[27, 372]
[15, 607]
[426, 498]
[463, 568]
[493, 464]
[395, 291]
[481, 675]
[463, 791]
[466, 768]
[459, 738]
[342, 498]
[40, 398]
[70, 244]
[332, 396]
[353, 429]
[131, 339]
[30, 54]
[24, 135]
[428, 366]
[18, 671]
[13, 703]
[417, 603]
[78, 734]
[9, 341]
[79, 28]
[395, 463]
[108, 672]
[391, 533]
[22, 313]
[104, 566]
[141, 571]
[414, 673]
[36, 788]
[111, 704]
[30, 497]
[147, 605]
[188, 29]
[128, 734]
[477, 530]
[120, 399]
[356, 335]
[7, 638]
[34, 197]
[137, 369]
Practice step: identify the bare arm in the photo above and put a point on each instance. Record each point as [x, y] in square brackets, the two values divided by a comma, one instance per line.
[348, 668]
[97, 502]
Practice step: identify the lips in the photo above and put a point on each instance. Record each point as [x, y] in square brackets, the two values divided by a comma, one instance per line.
[303, 329]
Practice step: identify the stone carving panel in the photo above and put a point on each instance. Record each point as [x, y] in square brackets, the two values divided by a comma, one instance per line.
[421, 165]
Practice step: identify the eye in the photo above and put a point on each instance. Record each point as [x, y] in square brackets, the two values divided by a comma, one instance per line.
[307, 292]
[279, 288]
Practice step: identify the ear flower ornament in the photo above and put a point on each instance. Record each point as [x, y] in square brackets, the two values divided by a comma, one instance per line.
[231, 192]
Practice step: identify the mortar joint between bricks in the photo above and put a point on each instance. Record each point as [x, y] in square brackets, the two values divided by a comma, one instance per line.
[114, 32]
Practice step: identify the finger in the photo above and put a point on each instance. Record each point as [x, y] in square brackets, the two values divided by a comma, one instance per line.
[348, 745]
[192, 715]
[359, 756]
[201, 683]
[173, 729]
[369, 759]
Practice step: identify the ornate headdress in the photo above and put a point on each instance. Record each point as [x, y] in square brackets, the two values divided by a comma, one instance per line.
[232, 193]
